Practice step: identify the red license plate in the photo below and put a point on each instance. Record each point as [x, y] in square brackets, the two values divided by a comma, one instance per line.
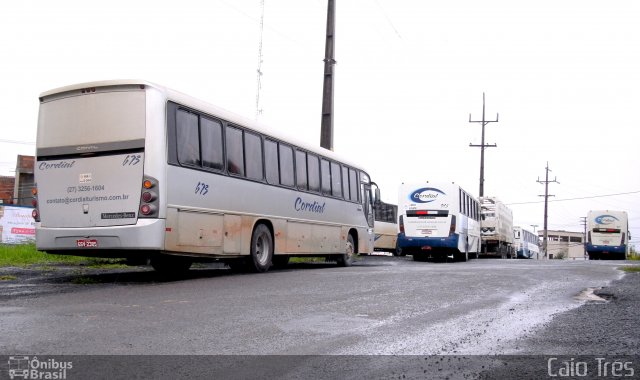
[86, 243]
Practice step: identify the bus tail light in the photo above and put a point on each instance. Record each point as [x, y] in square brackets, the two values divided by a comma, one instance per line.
[452, 227]
[622, 241]
[149, 198]
[401, 224]
[147, 209]
[34, 202]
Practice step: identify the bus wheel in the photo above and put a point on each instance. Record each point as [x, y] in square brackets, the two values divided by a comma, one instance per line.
[261, 248]
[346, 259]
[170, 265]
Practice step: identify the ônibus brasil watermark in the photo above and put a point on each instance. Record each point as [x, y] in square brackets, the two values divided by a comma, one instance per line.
[25, 367]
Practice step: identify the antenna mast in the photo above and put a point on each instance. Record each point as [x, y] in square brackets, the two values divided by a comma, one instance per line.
[259, 70]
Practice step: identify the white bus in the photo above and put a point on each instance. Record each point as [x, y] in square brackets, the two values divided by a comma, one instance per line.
[526, 243]
[607, 234]
[385, 227]
[132, 169]
[437, 221]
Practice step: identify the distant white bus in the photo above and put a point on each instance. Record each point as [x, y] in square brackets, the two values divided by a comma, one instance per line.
[132, 169]
[386, 227]
[526, 243]
[438, 221]
[607, 234]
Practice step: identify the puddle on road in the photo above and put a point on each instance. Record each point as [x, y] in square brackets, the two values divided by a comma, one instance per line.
[589, 295]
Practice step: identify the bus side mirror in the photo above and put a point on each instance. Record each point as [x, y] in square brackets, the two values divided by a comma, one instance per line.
[377, 196]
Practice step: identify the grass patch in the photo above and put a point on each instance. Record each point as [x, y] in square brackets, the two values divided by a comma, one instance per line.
[84, 281]
[634, 257]
[101, 263]
[631, 269]
[7, 278]
[299, 260]
[27, 254]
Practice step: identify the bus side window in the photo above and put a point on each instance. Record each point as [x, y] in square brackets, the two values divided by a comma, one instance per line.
[286, 165]
[235, 155]
[211, 138]
[301, 170]
[253, 155]
[188, 139]
[325, 176]
[313, 168]
[336, 180]
[345, 182]
[353, 185]
[271, 161]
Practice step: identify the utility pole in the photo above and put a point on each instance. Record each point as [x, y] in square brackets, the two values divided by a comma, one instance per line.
[583, 221]
[482, 144]
[326, 128]
[546, 196]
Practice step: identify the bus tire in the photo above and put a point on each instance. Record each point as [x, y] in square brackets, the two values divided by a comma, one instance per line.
[346, 259]
[261, 249]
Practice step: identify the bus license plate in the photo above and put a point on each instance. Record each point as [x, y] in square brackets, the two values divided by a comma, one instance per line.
[86, 243]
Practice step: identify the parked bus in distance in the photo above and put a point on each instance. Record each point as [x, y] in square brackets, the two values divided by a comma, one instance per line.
[525, 243]
[496, 228]
[136, 170]
[385, 227]
[438, 220]
[607, 234]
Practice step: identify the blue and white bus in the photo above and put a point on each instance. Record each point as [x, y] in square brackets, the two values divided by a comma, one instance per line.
[607, 234]
[438, 220]
[526, 243]
[133, 169]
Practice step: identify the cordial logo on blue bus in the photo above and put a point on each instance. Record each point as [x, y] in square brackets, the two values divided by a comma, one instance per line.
[425, 195]
[606, 219]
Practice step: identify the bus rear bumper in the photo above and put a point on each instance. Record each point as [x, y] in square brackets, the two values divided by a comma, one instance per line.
[606, 248]
[145, 235]
[422, 244]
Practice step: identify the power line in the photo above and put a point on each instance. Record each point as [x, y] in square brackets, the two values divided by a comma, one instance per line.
[18, 142]
[575, 199]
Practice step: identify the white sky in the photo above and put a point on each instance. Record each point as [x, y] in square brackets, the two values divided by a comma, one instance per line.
[563, 75]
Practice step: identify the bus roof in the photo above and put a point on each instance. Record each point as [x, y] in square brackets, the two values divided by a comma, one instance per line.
[201, 105]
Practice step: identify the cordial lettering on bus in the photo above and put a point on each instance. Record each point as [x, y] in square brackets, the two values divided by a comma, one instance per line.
[56, 165]
[606, 219]
[425, 195]
[301, 205]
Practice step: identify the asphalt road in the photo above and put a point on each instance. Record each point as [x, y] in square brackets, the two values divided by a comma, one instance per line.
[380, 306]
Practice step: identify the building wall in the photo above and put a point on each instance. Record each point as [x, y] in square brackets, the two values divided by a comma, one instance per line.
[6, 189]
[24, 181]
[564, 244]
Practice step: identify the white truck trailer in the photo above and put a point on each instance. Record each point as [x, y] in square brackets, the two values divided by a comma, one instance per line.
[496, 229]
